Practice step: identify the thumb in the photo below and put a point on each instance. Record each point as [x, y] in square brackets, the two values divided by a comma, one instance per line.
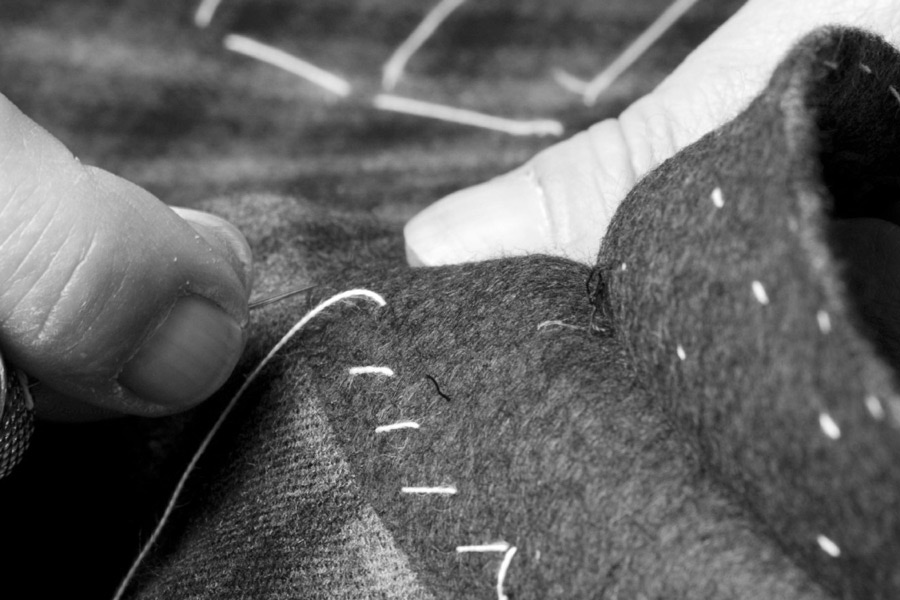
[562, 200]
[110, 298]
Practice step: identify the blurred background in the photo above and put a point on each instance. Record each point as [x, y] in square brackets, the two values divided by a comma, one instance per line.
[134, 86]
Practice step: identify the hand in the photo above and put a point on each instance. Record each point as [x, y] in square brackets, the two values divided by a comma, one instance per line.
[114, 302]
[562, 200]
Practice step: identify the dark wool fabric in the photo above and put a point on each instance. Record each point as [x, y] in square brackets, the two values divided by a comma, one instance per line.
[616, 467]
[667, 443]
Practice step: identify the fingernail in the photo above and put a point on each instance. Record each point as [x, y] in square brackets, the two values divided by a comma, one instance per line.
[188, 358]
[221, 234]
[502, 217]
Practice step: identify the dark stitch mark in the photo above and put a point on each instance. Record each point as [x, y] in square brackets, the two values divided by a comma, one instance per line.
[438, 388]
[597, 288]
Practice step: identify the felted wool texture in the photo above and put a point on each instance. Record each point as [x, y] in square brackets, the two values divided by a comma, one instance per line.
[135, 88]
[572, 465]
[820, 144]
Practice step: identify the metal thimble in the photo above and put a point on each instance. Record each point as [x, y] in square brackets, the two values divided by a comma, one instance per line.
[16, 417]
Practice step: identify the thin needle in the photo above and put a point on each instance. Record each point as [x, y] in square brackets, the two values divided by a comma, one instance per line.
[278, 298]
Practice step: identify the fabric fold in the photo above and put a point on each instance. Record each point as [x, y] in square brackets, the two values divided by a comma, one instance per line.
[730, 289]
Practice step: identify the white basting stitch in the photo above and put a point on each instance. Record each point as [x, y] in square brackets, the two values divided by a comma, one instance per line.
[495, 547]
[829, 426]
[205, 12]
[393, 68]
[875, 408]
[288, 62]
[201, 450]
[718, 199]
[569, 82]
[824, 320]
[865, 68]
[681, 353]
[446, 490]
[396, 426]
[636, 49]
[760, 292]
[894, 92]
[441, 112]
[501, 573]
[828, 546]
[386, 371]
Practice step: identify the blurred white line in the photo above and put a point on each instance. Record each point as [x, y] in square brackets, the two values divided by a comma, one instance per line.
[205, 12]
[637, 48]
[393, 68]
[441, 112]
[288, 62]
[569, 82]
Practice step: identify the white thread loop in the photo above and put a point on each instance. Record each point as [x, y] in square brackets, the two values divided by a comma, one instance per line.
[393, 68]
[828, 546]
[824, 320]
[495, 547]
[170, 507]
[501, 573]
[288, 62]
[440, 491]
[442, 112]
[546, 324]
[760, 292]
[875, 408]
[386, 371]
[396, 426]
[829, 426]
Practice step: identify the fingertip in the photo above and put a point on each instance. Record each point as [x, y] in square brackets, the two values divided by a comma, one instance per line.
[502, 217]
[225, 238]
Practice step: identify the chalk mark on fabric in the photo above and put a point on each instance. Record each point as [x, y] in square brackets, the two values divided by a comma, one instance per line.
[495, 547]
[437, 388]
[440, 490]
[626, 59]
[760, 292]
[397, 426]
[205, 12]
[371, 370]
[501, 573]
[288, 62]
[828, 546]
[829, 426]
[396, 64]
[718, 199]
[875, 408]
[170, 507]
[461, 116]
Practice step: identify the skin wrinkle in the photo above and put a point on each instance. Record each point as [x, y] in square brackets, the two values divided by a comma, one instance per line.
[71, 280]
